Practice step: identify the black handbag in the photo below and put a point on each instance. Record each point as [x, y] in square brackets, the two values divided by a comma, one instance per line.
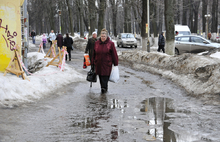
[91, 76]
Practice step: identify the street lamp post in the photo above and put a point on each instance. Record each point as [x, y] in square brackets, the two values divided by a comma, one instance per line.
[148, 21]
[59, 12]
[207, 27]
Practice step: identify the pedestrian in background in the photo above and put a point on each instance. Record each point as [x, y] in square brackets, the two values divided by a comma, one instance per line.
[161, 42]
[104, 56]
[52, 37]
[44, 40]
[68, 42]
[90, 47]
[209, 36]
[59, 40]
[33, 34]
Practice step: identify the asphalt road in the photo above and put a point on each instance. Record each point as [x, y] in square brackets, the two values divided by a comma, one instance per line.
[140, 107]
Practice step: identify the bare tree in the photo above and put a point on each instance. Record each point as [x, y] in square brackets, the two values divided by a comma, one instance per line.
[92, 15]
[143, 28]
[70, 18]
[169, 22]
[102, 6]
[114, 4]
[204, 12]
[214, 16]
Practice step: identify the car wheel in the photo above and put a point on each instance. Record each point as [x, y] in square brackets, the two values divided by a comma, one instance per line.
[176, 51]
[135, 46]
[118, 45]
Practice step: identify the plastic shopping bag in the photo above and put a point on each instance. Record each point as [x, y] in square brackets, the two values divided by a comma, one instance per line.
[86, 56]
[114, 76]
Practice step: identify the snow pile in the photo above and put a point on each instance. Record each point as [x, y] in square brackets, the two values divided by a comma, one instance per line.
[15, 90]
[38, 37]
[199, 75]
[79, 43]
[36, 61]
[215, 55]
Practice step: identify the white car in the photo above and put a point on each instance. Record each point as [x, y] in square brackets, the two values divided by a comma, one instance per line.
[126, 40]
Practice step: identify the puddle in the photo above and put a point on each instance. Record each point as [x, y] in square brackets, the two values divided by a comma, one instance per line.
[161, 113]
[155, 119]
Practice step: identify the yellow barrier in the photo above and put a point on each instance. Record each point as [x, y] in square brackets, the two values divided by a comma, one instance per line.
[10, 30]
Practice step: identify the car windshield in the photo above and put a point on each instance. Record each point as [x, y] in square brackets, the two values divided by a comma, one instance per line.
[127, 36]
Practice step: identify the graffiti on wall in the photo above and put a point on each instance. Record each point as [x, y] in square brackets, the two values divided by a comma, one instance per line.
[9, 39]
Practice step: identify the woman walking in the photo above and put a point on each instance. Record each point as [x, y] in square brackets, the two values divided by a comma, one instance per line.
[68, 41]
[105, 55]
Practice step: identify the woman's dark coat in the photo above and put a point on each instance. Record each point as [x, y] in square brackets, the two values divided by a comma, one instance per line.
[105, 55]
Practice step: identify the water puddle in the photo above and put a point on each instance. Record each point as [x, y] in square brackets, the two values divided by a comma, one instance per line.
[156, 119]
[164, 121]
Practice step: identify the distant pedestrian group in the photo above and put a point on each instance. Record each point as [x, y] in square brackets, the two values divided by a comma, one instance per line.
[67, 41]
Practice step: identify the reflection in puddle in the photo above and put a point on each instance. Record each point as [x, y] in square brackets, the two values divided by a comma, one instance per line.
[117, 104]
[153, 120]
[157, 109]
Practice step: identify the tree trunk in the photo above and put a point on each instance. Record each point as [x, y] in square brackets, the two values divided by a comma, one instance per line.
[143, 25]
[126, 16]
[70, 18]
[161, 17]
[101, 16]
[154, 23]
[204, 12]
[195, 19]
[169, 22]
[51, 17]
[80, 6]
[214, 18]
[184, 19]
[114, 5]
[191, 17]
[92, 16]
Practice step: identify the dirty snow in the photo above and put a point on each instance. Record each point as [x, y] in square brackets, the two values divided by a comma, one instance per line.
[198, 74]
[47, 80]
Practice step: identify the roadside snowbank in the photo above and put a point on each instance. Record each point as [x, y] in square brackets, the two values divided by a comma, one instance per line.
[47, 80]
[199, 75]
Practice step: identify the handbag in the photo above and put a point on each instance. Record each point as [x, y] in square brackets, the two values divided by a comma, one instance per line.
[114, 76]
[91, 76]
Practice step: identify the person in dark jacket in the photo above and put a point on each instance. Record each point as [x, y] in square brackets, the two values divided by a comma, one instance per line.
[59, 39]
[104, 56]
[161, 42]
[90, 46]
[33, 34]
[68, 41]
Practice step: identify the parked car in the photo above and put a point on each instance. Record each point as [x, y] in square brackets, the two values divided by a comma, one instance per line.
[126, 40]
[193, 44]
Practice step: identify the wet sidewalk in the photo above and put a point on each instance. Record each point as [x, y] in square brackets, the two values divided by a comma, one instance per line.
[141, 107]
